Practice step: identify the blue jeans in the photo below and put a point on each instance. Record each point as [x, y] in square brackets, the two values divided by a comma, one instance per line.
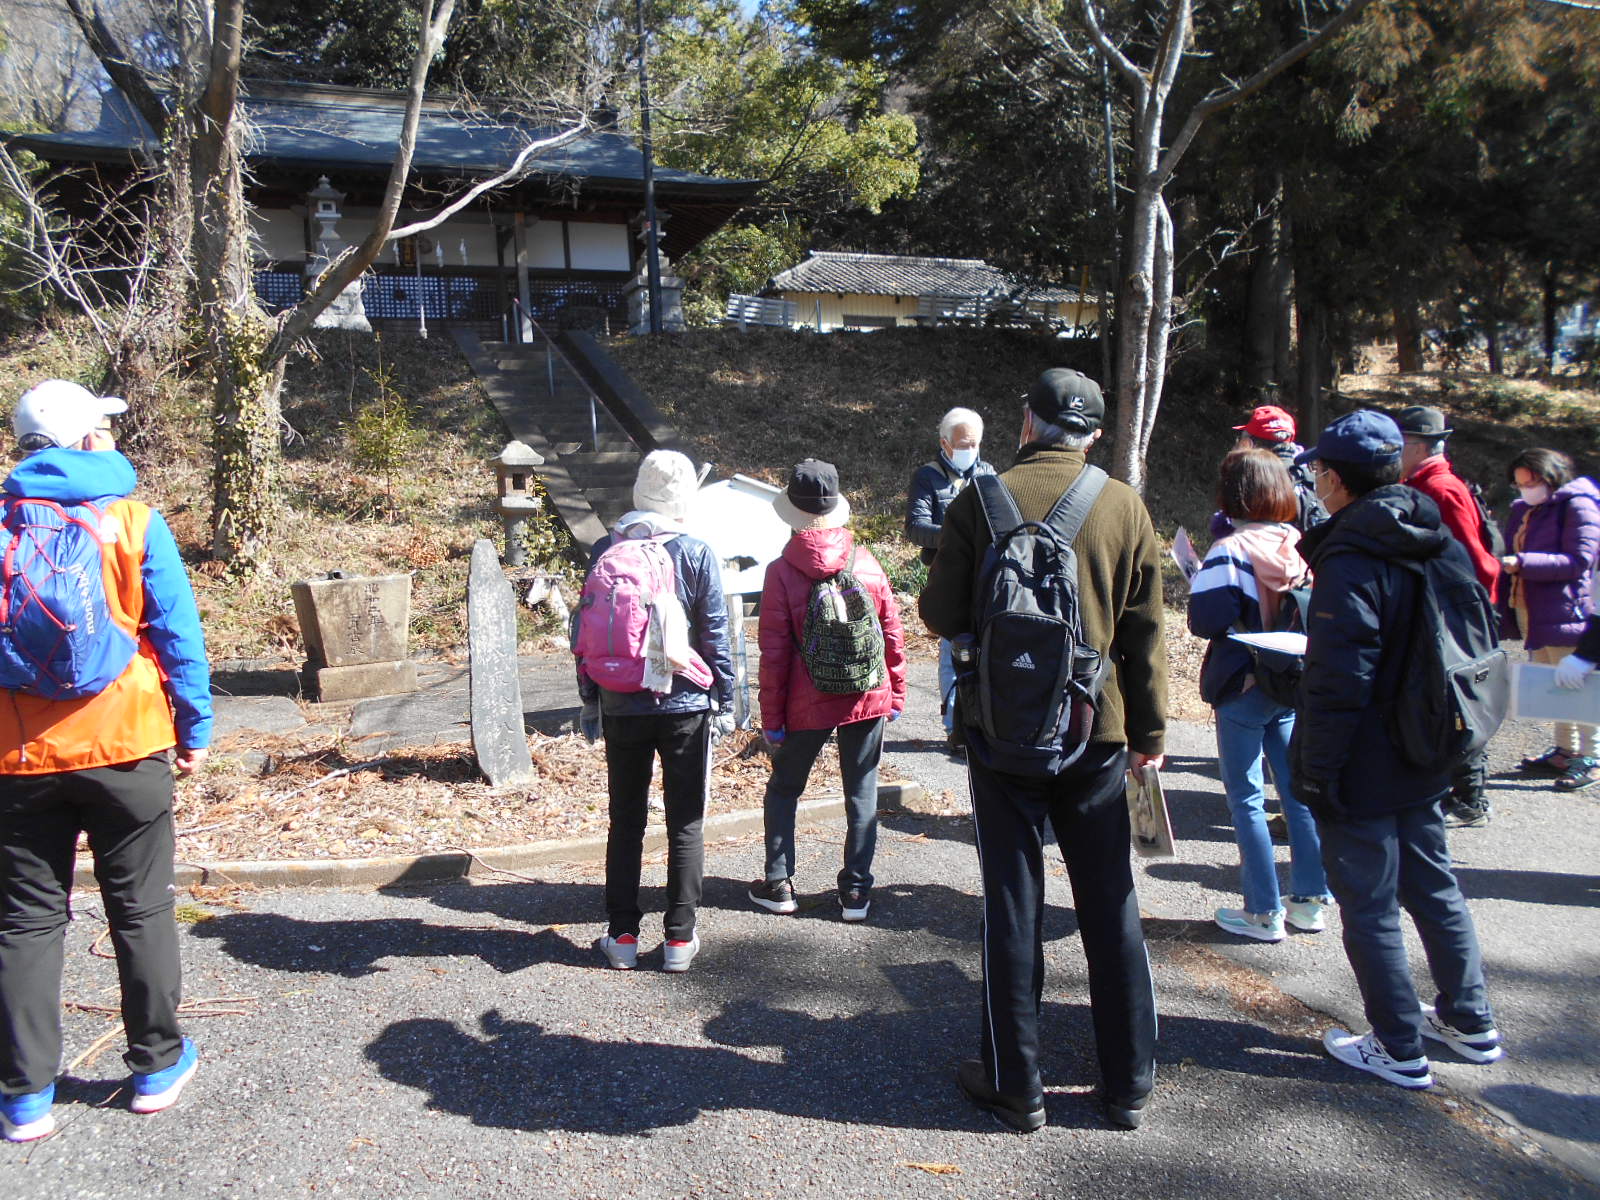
[860, 747]
[947, 683]
[1251, 726]
[1377, 866]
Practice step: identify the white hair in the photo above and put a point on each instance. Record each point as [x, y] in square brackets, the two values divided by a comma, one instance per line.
[1054, 435]
[958, 417]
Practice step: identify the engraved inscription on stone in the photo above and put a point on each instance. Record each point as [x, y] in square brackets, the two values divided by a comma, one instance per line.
[498, 738]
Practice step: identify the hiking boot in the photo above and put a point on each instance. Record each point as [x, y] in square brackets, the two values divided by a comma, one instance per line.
[1305, 913]
[159, 1089]
[1264, 927]
[1365, 1052]
[1278, 826]
[1463, 817]
[677, 954]
[1553, 761]
[775, 895]
[854, 903]
[27, 1116]
[622, 951]
[1024, 1116]
[1482, 1047]
[1581, 772]
[955, 743]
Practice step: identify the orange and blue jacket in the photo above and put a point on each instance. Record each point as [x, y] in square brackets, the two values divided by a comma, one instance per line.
[163, 698]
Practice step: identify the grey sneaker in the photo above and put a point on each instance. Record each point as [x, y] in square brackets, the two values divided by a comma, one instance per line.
[1482, 1047]
[622, 952]
[776, 895]
[677, 955]
[1365, 1052]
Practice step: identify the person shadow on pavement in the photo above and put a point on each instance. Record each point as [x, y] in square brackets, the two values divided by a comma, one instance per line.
[356, 948]
[893, 1069]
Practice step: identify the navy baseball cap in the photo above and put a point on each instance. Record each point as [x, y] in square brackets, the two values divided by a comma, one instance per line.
[1364, 437]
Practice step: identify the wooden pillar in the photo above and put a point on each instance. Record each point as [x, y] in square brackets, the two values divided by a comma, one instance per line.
[520, 230]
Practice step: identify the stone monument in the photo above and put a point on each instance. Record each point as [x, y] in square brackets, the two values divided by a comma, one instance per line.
[637, 291]
[514, 499]
[355, 629]
[499, 739]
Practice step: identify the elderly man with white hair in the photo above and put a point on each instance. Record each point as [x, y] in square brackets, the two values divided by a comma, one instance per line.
[933, 487]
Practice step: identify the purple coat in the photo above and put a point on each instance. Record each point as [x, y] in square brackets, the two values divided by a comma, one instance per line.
[1562, 544]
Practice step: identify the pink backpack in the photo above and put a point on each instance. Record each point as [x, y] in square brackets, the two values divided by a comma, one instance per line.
[612, 640]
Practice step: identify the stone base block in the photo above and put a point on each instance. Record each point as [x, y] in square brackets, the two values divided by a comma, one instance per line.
[357, 682]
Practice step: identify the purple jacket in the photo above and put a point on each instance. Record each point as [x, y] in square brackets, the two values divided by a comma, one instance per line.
[1555, 561]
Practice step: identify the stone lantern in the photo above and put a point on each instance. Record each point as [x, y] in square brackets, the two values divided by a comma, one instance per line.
[347, 311]
[514, 498]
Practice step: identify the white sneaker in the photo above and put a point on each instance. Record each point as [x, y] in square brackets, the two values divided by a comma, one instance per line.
[676, 956]
[1265, 927]
[1306, 915]
[1365, 1052]
[1482, 1047]
[621, 952]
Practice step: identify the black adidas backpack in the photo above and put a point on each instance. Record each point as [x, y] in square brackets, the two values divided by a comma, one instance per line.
[1455, 683]
[1030, 697]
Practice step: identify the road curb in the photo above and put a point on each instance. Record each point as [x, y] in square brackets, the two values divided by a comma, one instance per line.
[404, 869]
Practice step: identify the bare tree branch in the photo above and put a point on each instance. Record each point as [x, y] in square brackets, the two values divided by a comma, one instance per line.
[297, 322]
[130, 80]
[1136, 78]
[1221, 100]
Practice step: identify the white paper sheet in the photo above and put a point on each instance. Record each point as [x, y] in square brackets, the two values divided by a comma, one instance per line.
[1535, 696]
[1282, 642]
[1184, 553]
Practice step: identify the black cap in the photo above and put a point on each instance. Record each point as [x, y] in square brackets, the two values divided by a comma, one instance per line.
[812, 499]
[1068, 399]
[1421, 421]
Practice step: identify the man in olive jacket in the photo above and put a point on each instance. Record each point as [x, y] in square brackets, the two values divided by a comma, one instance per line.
[1119, 587]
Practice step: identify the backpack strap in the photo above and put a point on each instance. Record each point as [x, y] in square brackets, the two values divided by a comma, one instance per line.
[999, 507]
[1068, 514]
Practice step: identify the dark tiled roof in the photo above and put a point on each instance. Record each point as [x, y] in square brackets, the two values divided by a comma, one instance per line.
[907, 275]
[356, 128]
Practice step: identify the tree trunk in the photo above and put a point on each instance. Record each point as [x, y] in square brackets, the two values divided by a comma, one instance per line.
[1269, 313]
[1315, 368]
[1550, 297]
[1491, 338]
[1407, 336]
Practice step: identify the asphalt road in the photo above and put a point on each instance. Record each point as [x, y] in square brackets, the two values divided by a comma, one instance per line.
[466, 1039]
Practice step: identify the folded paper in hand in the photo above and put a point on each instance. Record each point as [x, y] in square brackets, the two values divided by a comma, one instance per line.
[1279, 642]
[1149, 824]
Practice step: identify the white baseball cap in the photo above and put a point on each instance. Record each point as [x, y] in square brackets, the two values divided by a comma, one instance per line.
[65, 412]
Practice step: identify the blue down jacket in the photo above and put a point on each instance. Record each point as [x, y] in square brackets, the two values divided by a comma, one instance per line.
[1361, 614]
[933, 486]
[699, 587]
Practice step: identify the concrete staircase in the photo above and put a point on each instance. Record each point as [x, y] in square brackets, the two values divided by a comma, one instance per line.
[590, 461]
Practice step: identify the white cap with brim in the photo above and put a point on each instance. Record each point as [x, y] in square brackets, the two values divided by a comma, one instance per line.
[63, 411]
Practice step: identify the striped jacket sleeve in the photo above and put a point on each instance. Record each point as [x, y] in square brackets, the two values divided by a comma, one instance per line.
[1223, 594]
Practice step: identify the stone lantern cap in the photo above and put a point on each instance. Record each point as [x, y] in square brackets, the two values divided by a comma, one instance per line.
[518, 454]
[325, 196]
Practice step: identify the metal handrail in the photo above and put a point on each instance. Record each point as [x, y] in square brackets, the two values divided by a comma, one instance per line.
[551, 352]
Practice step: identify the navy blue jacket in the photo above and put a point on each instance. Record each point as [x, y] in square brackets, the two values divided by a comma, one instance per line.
[699, 587]
[1362, 610]
[933, 486]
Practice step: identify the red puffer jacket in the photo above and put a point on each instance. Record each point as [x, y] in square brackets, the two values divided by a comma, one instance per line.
[788, 699]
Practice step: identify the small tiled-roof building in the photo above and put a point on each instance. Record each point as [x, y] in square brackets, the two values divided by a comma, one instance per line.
[562, 236]
[839, 290]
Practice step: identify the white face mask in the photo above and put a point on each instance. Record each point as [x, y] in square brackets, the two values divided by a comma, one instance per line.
[962, 460]
[1317, 486]
[1537, 494]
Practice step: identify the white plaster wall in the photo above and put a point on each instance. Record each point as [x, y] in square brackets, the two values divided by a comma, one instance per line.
[278, 234]
[546, 251]
[598, 247]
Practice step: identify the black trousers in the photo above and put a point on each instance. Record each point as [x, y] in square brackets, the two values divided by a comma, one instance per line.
[127, 812]
[1087, 807]
[683, 740]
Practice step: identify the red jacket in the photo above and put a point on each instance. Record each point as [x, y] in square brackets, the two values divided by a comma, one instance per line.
[788, 699]
[1435, 480]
